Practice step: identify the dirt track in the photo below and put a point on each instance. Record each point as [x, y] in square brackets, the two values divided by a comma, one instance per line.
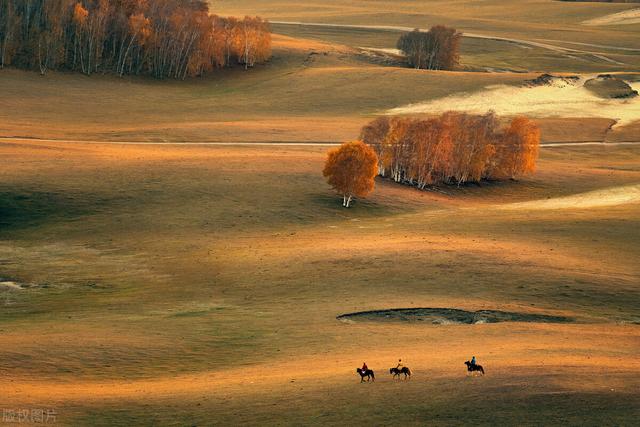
[277, 144]
[543, 45]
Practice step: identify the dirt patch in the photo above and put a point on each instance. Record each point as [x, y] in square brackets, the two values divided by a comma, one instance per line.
[544, 96]
[391, 57]
[8, 284]
[626, 17]
[550, 80]
[607, 86]
[450, 316]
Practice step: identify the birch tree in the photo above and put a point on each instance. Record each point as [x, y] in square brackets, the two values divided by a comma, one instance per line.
[351, 170]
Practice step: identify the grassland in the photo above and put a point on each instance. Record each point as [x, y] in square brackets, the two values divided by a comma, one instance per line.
[201, 284]
[186, 284]
[311, 92]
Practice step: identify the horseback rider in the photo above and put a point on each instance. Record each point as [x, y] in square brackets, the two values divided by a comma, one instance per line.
[364, 367]
[473, 360]
[399, 367]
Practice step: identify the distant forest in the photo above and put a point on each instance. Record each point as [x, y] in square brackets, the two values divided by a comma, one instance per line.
[160, 38]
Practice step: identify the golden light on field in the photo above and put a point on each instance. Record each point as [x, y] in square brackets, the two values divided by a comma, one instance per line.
[171, 253]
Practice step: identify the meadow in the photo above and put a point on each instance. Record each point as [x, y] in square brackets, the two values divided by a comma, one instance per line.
[162, 283]
[194, 283]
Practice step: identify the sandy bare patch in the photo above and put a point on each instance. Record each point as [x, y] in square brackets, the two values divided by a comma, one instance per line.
[387, 51]
[626, 17]
[10, 285]
[559, 98]
[590, 199]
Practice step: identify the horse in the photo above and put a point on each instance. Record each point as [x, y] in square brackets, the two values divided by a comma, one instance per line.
[368, 373]
[472, 367]
[404, 370]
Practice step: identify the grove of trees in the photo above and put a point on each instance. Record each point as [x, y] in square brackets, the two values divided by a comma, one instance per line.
[351, 170]
[452, 148]
[161, 38]
[436, 49]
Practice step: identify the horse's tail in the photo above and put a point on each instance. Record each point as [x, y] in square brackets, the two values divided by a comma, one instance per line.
[373, 376]
[409, 371]
[482, 369]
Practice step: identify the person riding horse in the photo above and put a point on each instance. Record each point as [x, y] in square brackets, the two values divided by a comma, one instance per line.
[365, 372]
[473, 366]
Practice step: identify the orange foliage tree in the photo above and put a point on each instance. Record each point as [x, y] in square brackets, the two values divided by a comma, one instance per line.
[452, 148]
[162, 38]
[351, 170]
[519, 149]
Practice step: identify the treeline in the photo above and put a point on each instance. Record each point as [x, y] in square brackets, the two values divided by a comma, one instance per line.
[436, 49]
[161, 38]
[452, 148]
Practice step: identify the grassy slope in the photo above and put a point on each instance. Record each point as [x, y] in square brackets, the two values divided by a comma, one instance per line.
[325, 98]
[542, 19]
[193, 285]
[177, 264]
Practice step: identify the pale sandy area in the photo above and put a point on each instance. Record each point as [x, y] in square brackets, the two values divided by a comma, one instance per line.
[590, 199]
[559, 99]
[621, 18]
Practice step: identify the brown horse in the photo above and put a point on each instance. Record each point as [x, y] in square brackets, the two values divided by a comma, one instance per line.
[368, 373]
[404, 370]
[472, 368]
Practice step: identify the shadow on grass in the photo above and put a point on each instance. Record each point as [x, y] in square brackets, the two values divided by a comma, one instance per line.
[20, 209]
[362, 208]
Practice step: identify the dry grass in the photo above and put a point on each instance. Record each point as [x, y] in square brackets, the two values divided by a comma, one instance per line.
[190, 281]
[532, 19]
[199, 285]
[299, 96]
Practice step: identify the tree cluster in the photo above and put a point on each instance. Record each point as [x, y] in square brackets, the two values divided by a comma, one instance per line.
[452, 148]
[351, 170]
[161, 38]
[436, 49]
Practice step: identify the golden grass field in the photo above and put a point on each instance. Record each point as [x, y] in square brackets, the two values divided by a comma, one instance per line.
[186, 284]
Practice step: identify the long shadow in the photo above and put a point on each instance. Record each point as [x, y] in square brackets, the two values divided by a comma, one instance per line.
[24, 208]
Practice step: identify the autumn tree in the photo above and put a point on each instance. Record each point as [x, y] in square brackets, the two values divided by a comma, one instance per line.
[452, 148]
[519, 149]
[162, 38]
[351, 170]
[436, 49]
